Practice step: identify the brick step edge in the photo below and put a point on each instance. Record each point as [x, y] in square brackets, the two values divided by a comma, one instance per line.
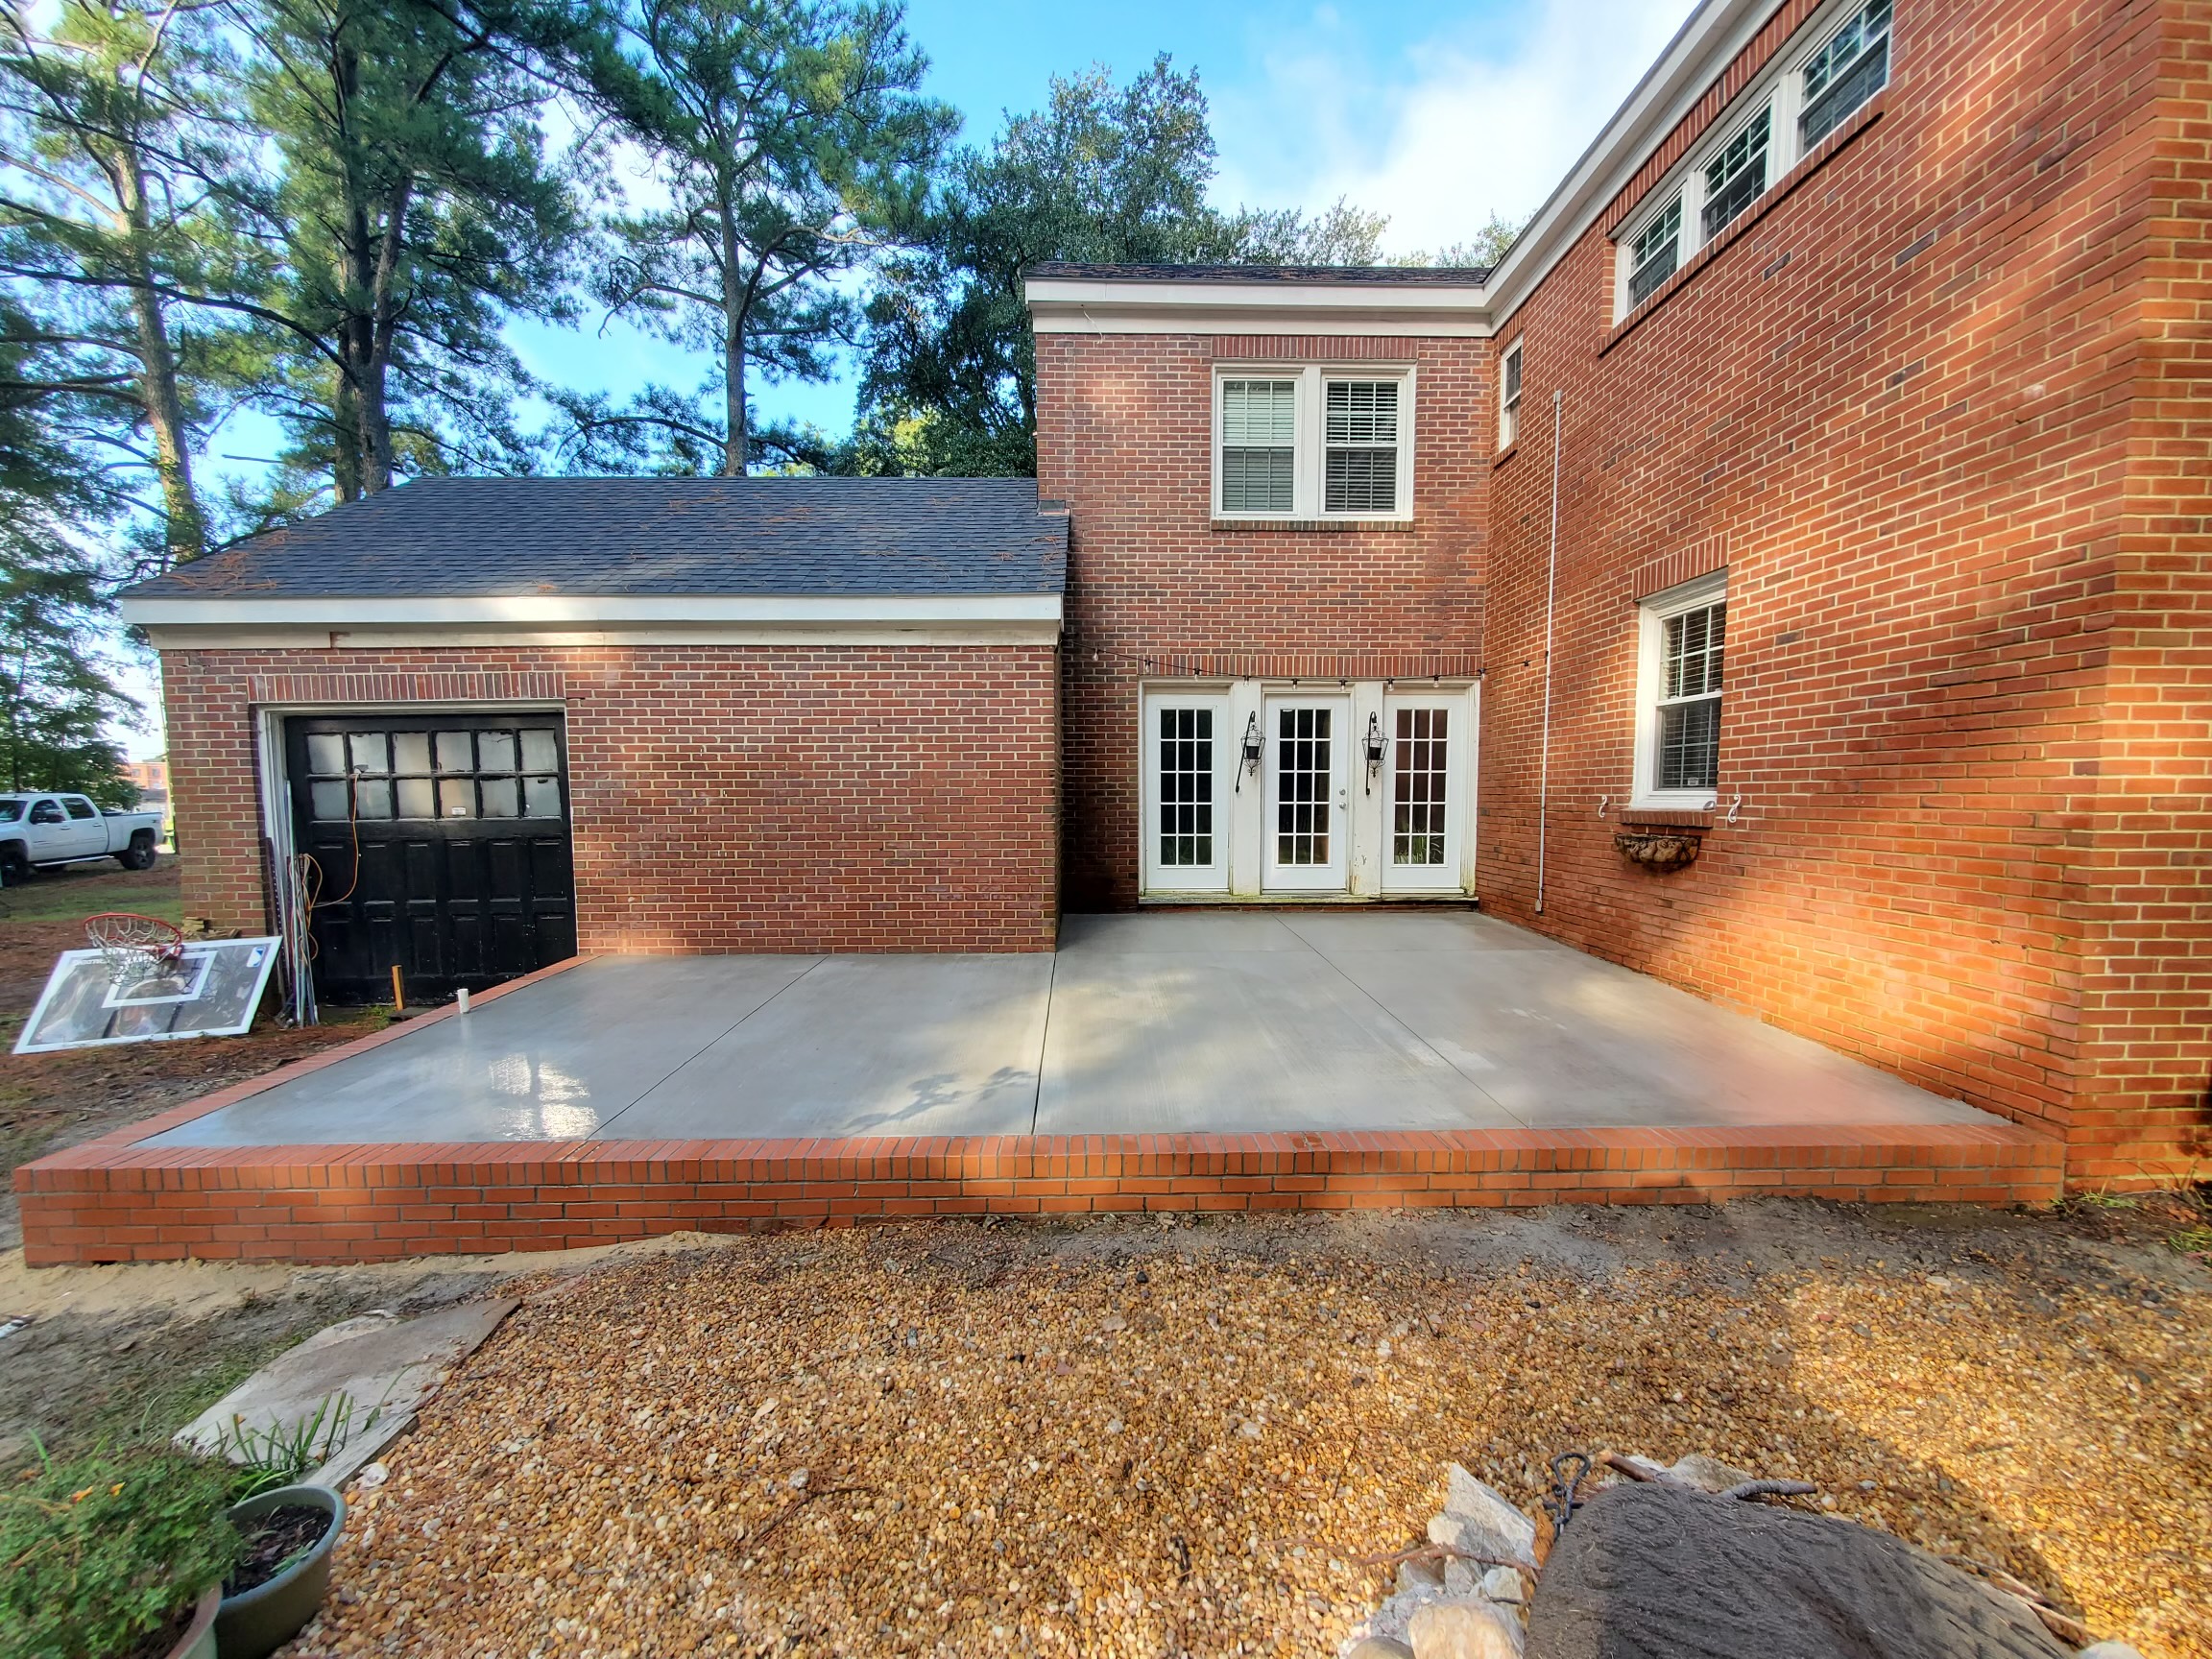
[106, 1201]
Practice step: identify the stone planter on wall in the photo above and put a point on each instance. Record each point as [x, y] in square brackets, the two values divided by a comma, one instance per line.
[1659, 849]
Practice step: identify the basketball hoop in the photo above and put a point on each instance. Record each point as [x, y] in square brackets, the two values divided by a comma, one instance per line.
[135, 947]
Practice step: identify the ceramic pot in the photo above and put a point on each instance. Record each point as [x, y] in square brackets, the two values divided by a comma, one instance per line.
[199, 1639]
[256, 1622]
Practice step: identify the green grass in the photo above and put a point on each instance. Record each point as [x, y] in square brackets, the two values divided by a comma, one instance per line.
[67, 897]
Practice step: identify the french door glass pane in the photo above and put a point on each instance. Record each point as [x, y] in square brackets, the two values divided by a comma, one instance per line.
[1301, 774]
[455, 754]
[416, 800]
[1186, 787]
[410, 750]
[1417, 827]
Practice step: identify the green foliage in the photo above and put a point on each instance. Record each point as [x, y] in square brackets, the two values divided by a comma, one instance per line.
[1102, 175]
[792, 141]
[415, 211]
[281, 1454]
[57, 697]
[97, 1552]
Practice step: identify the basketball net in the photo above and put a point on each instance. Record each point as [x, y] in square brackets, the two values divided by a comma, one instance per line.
[135, 947]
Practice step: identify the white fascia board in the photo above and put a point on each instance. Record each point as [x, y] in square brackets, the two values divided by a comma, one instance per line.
[1064, 305]
[1706, 45]
[588, 611]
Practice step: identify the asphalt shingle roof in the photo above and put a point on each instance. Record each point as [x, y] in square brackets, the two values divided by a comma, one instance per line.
[712, 537]
[1378, 275]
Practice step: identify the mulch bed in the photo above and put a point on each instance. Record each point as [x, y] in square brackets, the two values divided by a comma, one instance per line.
[855, 1444]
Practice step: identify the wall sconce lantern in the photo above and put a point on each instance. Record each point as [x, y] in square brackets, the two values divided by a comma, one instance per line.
[1375, 746]
[1251, 751]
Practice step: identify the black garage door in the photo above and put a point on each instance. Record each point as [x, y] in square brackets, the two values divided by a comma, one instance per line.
[441, 842]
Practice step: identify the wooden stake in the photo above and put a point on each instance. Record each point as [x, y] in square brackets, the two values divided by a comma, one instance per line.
[398, 997]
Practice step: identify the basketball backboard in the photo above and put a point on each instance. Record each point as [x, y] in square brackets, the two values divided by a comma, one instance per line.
[210, 990]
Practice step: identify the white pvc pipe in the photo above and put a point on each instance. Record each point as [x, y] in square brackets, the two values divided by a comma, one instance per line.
[1550, 593]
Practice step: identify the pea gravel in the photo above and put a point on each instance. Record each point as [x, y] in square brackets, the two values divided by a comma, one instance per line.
[1134, 1440]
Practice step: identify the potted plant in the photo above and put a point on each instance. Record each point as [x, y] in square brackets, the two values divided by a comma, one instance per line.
[114, 1555]
[282, 1571]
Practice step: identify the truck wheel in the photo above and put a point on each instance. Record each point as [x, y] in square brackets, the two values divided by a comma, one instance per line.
[139, 854]
[15, 868]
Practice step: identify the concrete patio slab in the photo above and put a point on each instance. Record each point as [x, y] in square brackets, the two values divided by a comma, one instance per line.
[1159, 1023]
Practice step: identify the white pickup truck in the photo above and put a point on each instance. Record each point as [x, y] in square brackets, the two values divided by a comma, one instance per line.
[40, 830]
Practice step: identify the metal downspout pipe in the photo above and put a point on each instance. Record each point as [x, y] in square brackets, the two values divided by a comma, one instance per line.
[1551, 594]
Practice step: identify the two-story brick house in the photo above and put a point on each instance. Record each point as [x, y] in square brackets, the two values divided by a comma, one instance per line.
[1814, 491]
[1784, 574]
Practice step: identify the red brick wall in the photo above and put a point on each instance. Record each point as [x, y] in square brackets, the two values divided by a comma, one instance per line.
[1968, 632]
[723, 798]
[1124, 431]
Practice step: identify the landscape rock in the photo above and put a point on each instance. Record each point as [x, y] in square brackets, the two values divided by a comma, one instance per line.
[1464, 1631]
[1414, 1577]
[1378, 1647]
[1467, 1499]
[2108, 1650]
[1503, 1584]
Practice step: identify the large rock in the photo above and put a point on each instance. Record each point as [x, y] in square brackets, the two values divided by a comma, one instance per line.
[1464, 1631]
[1478, 1521]
[1667, 1573]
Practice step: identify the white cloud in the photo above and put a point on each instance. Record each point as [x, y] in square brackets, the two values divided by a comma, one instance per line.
[1478, 117]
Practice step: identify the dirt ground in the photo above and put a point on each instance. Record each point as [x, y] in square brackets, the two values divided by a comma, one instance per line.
[53, 1101]
[1130, 1438]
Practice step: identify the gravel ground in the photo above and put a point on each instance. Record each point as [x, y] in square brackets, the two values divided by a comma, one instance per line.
[1138, 1439]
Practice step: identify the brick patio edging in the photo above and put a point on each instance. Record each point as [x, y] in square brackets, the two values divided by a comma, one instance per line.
[120, 1203]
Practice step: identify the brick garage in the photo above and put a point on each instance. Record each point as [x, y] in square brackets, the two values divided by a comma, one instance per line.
[801, 716]
[722, 798]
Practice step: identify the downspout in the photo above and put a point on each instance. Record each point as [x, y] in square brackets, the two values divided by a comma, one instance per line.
[1550, 593]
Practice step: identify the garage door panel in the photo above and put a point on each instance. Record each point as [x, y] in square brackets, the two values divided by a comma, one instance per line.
[465, 874]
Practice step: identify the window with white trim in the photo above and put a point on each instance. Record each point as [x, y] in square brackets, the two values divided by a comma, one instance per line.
[1850, 66]
[1833, 68]
[1655, 254]
[1313, 442]
[1680, 656]
[1509, 395]
[1359, 471]
[1736, 176]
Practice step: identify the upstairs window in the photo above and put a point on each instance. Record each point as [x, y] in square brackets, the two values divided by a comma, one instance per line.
[1736, 176]
[1851, 66]
[1656, 255]
[1258, 445]
[1360, 470]
[1313, 442]
[1509, 397]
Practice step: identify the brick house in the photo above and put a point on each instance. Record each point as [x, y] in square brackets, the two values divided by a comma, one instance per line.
[1864, 350]
[1783, 574]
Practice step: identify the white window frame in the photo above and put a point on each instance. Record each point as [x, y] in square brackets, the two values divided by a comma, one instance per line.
[1510, 362]
[1310, 440]
[1779, 91]
[1652, 616]
[1174, 879]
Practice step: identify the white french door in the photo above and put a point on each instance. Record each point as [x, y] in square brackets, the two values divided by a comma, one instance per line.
[1188, 758]
[1426, 743]
[1308, 795]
